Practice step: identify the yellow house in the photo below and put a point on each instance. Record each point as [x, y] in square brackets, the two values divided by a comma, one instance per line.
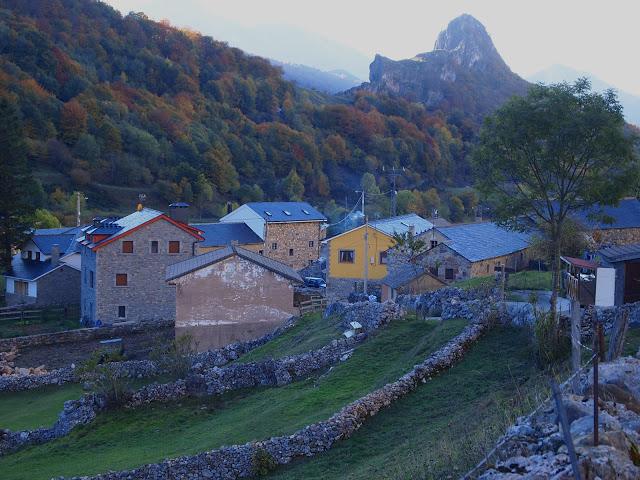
[347, 254]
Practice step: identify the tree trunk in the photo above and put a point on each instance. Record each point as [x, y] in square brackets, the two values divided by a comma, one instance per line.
[555, 287]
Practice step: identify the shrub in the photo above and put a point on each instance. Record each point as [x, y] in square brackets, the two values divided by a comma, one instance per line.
[102, 379]
[552, 344]
[262, 462]
[175, 357]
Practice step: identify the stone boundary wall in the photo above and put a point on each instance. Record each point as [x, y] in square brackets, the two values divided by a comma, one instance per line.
[81, 334]
[141, 368]
[448, 302]
[234, 462]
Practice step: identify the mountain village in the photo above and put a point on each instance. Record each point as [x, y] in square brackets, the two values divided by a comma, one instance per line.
[226, 317]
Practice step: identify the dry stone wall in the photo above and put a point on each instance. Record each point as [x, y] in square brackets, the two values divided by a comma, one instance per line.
[534, 447]
[237, 461]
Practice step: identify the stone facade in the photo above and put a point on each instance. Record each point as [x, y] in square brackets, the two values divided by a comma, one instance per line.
[450, 266]
[254, 247]
[146, 296]
[293, 241]
[59, 287]
[231, 300]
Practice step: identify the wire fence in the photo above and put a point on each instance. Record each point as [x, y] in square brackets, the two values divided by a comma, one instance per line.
[486, 461]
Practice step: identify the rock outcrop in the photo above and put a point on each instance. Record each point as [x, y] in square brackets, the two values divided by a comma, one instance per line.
[463, 72]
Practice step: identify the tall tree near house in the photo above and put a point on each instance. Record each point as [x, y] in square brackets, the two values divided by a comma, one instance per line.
[560, 149]
[16, 183]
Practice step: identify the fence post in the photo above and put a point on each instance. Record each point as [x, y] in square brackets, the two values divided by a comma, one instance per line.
[575, 343]
[600, 333]
[596, 433]
[564, 422]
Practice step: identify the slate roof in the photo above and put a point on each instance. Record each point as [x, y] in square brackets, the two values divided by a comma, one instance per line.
[29, 269]
[196, 263]
[220, 234]
[45, 238]
[405, 273]
[625, 215]
[401, 223]
[621, 253]
[287, 212]
[482, 241]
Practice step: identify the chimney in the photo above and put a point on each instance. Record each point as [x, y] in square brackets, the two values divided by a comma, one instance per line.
[179, 212]
[412, 231]
[55, 255]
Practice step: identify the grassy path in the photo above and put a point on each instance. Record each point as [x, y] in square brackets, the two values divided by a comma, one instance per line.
[125, 439]
[441, 429]
[35, 408]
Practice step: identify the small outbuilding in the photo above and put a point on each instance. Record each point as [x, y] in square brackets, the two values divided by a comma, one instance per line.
[409, 278]
[625, 259]
[231, 294]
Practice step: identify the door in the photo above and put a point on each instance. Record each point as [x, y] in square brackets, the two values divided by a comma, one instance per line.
[631, 282]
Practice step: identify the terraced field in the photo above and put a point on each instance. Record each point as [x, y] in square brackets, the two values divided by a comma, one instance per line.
[125, 439]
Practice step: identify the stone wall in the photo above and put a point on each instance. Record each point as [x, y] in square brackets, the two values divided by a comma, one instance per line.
[534, 447]
[81, 334]
[617, 236]
[237, 461]
[295, 236]
[448, 302]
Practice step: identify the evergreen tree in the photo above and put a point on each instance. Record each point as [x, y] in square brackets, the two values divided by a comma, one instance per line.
[293, 186]
[16, 183]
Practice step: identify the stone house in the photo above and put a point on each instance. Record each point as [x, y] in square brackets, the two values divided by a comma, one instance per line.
[409, 278]
[474, 250]
[290, 231]
[346, 263]
[46, 270]
[231, 294]
[123, 266]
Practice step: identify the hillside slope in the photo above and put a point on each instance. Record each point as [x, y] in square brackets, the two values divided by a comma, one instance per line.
[115, 106]
[463, 72]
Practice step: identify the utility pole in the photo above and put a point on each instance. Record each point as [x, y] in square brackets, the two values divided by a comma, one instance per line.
[366, 252]
[394, 193]
[78, 216]
[361, 192]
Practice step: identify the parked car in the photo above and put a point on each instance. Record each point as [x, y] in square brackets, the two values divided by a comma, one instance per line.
[315, 282]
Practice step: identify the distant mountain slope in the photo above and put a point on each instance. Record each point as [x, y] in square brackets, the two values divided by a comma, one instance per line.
[117, 105]
[333, 81]
[562, 73]
[463, 72]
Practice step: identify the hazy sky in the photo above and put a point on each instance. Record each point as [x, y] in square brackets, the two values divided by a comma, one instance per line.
[595, 36]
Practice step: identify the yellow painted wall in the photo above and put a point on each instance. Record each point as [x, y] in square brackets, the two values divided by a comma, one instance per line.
[354, 240]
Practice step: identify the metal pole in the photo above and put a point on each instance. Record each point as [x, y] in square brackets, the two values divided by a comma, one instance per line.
[600, 332]
[564, 422]
[366, 253]
[596, 433]
[575, 343]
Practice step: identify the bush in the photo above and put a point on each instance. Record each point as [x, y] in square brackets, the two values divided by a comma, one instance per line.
[175, 357]
[102, 379]
[262, 462]
[552, 344]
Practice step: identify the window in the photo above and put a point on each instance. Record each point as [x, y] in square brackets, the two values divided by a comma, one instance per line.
[154, 246]
[347, 256]
[174, 246]
[38, 256]
[91, 278]
[122, 280]
[261, 252]
[20, 287]
[122, 311]
[448, 274]
[311, 243]
[274, 246]
[487, 268]
[434, 243]
[291, 252]
[29, 254]
[383, 258]
[127, 246]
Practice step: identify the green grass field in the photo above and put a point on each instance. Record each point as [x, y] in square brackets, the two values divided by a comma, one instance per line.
[35, 408]
[443, 428]
[309, 333]
[525, 280]
[125, 439]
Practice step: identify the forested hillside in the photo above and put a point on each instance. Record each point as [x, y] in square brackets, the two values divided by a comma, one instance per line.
[114, 106]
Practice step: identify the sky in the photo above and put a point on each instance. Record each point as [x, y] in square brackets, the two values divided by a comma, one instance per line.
[589, 35]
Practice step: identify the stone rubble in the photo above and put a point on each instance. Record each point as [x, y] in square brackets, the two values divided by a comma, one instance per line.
[534, 447]
[7, 365]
